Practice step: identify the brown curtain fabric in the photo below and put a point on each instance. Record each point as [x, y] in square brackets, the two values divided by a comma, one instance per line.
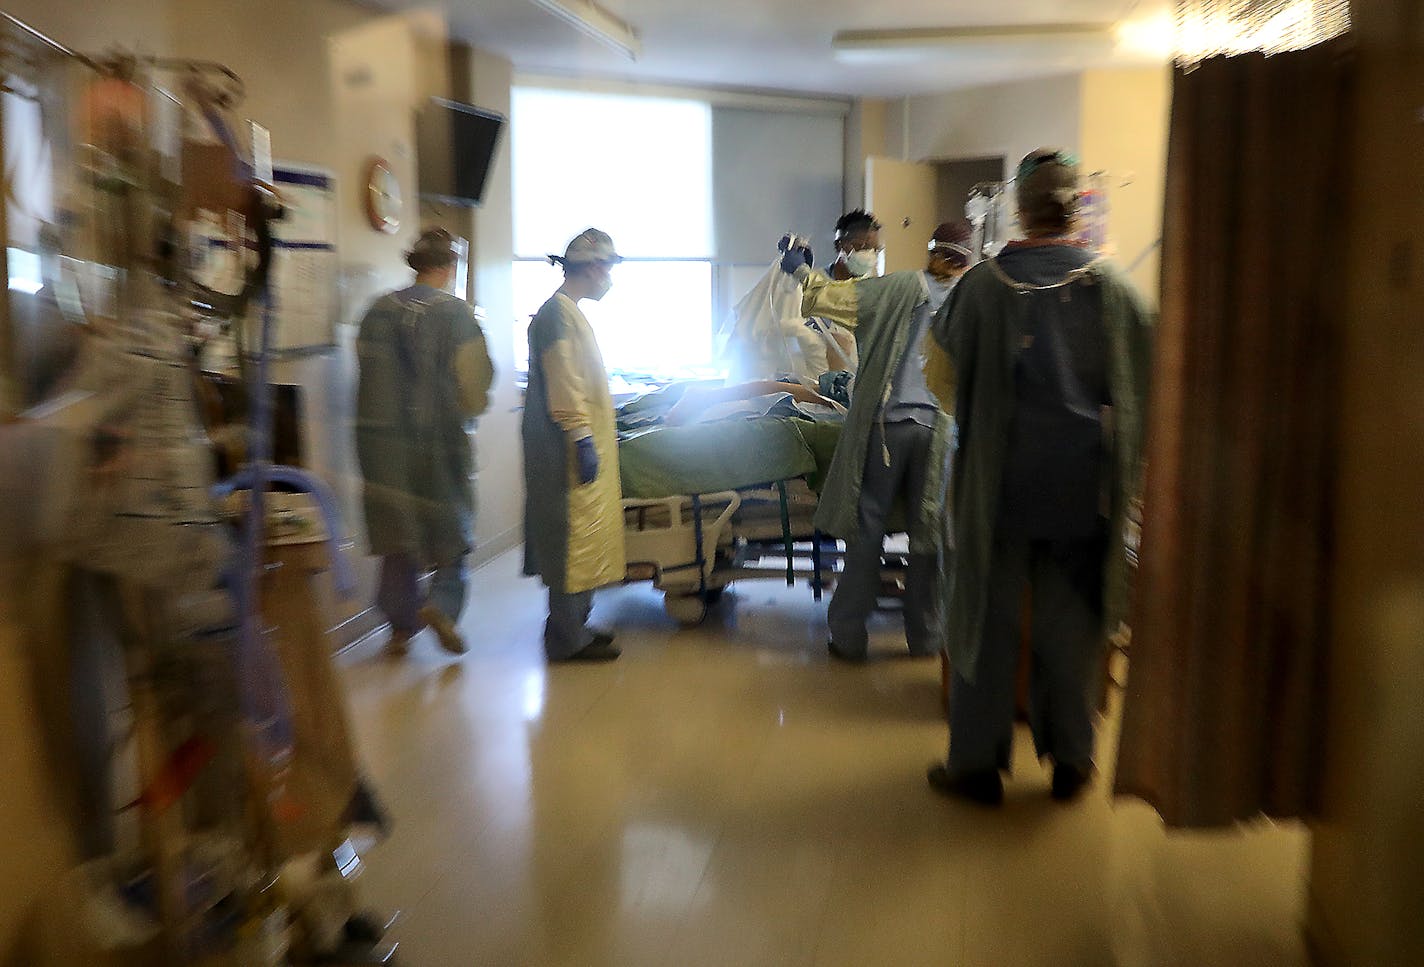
[1223, 718]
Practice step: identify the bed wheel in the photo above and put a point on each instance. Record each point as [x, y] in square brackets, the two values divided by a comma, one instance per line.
[688, 610]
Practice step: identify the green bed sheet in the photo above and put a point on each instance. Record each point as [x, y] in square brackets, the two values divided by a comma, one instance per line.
[704, 457]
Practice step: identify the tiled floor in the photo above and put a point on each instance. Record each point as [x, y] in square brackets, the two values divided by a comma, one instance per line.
[725, 796]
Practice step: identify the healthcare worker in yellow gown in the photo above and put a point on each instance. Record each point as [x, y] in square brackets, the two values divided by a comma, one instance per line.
[573, 519]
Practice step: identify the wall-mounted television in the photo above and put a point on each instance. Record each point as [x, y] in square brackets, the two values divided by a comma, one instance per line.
[455, 145]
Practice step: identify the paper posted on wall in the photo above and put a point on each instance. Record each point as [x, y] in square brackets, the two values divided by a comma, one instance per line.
[304, 266]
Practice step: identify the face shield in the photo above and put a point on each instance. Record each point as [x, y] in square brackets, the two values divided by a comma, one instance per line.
[952, 252]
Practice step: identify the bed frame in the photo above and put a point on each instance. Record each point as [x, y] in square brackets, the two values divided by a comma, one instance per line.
[692, 546]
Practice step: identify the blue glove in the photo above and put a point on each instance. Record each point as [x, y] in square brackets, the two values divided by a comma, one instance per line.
[587, 458]
[795, 258]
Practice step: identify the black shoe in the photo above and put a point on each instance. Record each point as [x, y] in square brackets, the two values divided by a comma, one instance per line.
[846, 657]
[985, 788]
[1068, 781]
[599, 650]
[363, 928]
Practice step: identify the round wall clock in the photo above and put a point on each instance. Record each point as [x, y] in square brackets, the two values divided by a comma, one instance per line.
[383, 197]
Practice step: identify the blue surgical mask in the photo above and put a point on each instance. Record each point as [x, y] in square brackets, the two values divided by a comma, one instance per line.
[862, 262]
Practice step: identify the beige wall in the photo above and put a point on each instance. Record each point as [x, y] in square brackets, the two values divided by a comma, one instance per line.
[279, 50]
[372, 76]
[998, 119]
[1123, 130]
[498, 444]
[1368, 868]
[95, 27]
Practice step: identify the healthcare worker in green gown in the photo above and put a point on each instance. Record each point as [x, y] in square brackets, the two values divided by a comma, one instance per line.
[1051, 346]
[894, 445]
[425, 374]
[573, 517]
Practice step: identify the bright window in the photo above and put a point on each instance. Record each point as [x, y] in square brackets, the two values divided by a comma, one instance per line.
[640, 169]
[656, 320]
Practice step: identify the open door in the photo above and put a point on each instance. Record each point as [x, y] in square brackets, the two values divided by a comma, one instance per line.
[902, 196]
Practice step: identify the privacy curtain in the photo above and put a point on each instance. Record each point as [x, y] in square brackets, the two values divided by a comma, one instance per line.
[1223, 716]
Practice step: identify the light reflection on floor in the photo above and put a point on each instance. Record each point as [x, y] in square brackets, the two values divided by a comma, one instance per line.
[725, 796]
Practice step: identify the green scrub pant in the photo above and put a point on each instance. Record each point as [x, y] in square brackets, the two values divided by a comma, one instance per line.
[567, 631]
[1064, 578]
[858, 585]
[400, 598]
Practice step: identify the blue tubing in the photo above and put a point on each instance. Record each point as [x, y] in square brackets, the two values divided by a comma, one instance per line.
[308, 483]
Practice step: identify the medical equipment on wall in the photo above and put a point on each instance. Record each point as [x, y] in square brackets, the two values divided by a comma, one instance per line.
[1094, 208]
[992, 211]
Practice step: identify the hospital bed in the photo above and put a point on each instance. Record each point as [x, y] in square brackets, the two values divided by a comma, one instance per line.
[709, 504]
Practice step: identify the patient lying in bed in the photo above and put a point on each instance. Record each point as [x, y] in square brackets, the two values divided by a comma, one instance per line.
[700, 403]
[697, 439]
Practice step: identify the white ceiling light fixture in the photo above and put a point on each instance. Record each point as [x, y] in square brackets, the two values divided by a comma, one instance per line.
[931, 42]
[1210, 28]
[594, 21]
[1153, 38]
